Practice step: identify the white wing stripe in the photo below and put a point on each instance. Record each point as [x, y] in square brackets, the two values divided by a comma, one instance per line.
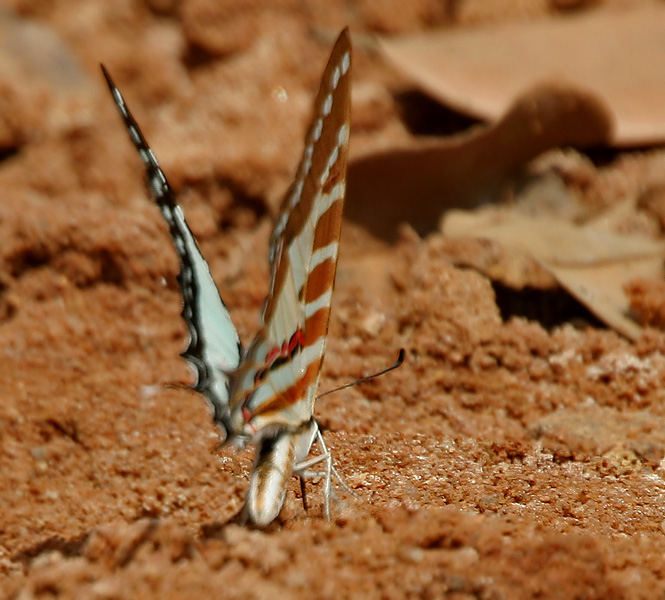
[321, 302]
[318, 128]
[297, 251]
[332, 159]
[327, 200]
[346, 62]
[334, 78]
[282, 378]
[327, 105]
[323, 254]
[342, 135]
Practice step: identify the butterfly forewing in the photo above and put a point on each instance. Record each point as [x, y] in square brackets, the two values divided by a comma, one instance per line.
[214, 347]
[277, 382]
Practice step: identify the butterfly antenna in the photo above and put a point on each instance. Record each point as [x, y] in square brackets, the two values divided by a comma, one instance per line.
[400, 360]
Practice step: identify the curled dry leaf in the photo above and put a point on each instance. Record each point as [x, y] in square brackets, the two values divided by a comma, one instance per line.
[615, 56]
[592, 264]
[418, 183]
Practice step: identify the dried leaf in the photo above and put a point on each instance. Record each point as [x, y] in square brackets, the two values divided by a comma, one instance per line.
[418, 183]
[590, 262]
[616, 56]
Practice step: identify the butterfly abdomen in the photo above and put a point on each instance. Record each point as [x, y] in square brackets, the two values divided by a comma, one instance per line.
[276, 456]
[267, 484]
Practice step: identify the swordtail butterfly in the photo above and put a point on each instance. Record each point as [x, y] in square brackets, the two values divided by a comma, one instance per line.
[266, 392]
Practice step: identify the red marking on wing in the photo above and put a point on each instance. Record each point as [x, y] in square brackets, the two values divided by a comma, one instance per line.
[292, 394]
[297, 339]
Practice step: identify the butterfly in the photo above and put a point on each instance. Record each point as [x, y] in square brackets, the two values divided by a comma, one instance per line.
[266, 393]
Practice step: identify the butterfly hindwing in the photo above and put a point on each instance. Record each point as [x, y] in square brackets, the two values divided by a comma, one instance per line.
[214, 347]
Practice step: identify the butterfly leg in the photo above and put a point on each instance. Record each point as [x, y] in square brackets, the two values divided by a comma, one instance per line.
[327, 489]
[303, 493]
[326, 455]
[302, 468]
[305, 439]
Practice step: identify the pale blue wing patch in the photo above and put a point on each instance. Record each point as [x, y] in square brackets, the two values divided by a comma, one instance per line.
[214, 347]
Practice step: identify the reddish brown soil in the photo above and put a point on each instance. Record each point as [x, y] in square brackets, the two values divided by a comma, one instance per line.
[503, 460]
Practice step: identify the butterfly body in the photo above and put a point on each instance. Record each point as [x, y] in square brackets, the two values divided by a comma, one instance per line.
[266, 393]
[277, 455]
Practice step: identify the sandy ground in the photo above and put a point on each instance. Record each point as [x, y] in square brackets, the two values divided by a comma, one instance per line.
[504, 459]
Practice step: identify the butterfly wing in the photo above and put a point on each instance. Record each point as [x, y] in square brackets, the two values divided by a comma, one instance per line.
[214, 347]
[276, 383]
